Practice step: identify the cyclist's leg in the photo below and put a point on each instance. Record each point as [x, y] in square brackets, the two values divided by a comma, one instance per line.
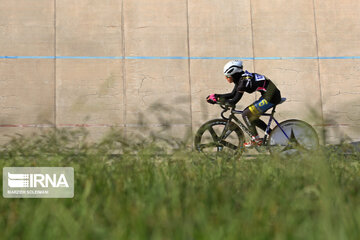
[249, 117]
[262, 105]
[252, 113]
[260, 124]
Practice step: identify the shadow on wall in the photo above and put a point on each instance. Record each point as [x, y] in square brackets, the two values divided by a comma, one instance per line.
[331, 127]
[85, 102]
[164, 137]
[167, 122]
[170, 122]
[342, 123]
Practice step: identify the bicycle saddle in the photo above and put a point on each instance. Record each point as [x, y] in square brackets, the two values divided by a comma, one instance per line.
[282, 100]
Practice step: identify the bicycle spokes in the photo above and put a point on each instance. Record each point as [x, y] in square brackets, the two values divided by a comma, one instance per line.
[219, 136]
[293, 143]
[228, 144]
[219, 142]
[213, 134]
[207, 145]
[293, 136]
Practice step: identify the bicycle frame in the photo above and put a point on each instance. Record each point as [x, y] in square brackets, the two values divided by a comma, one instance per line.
[244, 128]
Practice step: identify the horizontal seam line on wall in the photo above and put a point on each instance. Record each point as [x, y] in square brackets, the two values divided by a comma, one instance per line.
[87, 125]
[132, 125]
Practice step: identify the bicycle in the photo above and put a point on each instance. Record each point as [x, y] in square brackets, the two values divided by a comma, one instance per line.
[224, 135]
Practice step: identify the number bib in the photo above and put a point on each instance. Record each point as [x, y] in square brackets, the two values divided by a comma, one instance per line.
[260, 106]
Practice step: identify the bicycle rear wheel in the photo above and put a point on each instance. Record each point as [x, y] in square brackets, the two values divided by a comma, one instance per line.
[215, 137]
[300, 137]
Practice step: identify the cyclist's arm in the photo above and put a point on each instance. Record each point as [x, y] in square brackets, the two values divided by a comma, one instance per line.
[233, 97]
[236, 98]
[227, 96]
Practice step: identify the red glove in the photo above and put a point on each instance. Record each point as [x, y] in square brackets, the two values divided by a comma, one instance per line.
[211, 99]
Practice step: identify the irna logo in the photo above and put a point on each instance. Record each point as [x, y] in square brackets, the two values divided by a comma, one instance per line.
[36, 180]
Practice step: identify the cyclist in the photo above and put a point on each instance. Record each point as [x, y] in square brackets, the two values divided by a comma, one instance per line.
[248, 82]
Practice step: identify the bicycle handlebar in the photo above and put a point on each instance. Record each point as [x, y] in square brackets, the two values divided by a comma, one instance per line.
[226, 108]
[222, 114]
[223, 107]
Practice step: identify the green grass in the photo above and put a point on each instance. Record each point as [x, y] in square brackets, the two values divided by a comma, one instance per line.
[146, 193]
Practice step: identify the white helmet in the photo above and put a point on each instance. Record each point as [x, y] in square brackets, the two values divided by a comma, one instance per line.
[232, 67]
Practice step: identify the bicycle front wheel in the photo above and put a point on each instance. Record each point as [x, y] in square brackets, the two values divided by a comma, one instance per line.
[293, 136]
[217, 136]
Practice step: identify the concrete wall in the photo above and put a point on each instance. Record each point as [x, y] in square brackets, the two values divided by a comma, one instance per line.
[146, 63]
